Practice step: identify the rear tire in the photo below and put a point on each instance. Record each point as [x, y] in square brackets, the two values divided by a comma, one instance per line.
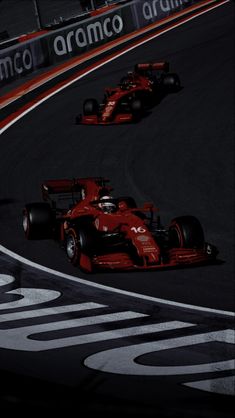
[171, 82]
[186, 232]
[38, 221]
[136, 108]
[90, 107]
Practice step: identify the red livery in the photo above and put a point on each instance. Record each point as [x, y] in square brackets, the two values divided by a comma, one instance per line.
[99, 231]
[136, 92]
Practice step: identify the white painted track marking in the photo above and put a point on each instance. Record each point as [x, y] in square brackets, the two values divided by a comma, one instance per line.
[56, 310]
[30, 296]
[113, 289]
[21, 339]
[221, 385]
[6, 279]
[123, 360]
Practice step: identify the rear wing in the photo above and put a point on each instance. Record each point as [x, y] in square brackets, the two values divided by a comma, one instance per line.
[70, 185]
[62, 193]
[59, 186]
[72, 190]
[161, 66]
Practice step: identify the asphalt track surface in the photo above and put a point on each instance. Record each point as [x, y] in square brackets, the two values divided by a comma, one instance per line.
[180, 157]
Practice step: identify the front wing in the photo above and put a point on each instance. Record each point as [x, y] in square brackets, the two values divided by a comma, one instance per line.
[97, 120]
[175, 257]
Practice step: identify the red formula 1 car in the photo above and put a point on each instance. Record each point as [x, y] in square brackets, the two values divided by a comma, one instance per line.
[136, 92]
[98, 231]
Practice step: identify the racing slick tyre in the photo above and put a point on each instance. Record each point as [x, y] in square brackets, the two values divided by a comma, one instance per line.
[80, 239]
[136, 107]
[186, 232]
[90, 107]
[171, 82]
[73, 246]
[38, 221]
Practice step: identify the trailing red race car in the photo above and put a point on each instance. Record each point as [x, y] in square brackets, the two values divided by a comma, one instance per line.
[98, 231]
[136, 92]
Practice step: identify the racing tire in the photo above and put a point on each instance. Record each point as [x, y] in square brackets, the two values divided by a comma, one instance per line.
[38, 221]
[80, 238]
[186, 232]
[136, 106]
[90, 107]
[73, 246]
[171, 82]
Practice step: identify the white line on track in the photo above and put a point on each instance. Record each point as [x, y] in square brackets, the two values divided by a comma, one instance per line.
[113, 289]
[83, 281]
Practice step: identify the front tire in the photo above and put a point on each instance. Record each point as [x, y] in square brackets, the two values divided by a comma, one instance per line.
[81, 240]
[73, 246]
[78, 250]
[90, 107]
[136, 108]
[171, 82]
[186, 232]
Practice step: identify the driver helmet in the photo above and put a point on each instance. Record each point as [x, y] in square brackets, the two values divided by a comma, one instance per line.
[107, 205]
[127, 81]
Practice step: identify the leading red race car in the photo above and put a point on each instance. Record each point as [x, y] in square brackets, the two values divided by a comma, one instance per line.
[99, 231]
[137, 91]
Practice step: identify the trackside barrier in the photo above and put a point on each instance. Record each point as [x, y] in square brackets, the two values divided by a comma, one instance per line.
[60, 45]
